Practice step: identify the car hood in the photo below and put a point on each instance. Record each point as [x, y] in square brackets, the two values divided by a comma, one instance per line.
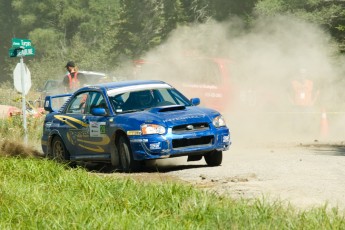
[170, 115]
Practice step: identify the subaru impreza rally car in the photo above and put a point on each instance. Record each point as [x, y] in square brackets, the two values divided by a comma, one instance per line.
[126, 123]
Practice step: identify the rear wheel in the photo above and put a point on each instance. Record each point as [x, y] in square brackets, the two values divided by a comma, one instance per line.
[59, 151]
[128, 164]
[214, 158]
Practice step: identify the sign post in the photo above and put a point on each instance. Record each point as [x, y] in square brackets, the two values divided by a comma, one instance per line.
[21, 48]
[23, 99]
[17, 78]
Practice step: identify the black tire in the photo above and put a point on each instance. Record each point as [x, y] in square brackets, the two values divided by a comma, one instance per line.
[59, 151]
[127, 162]
[214, 158]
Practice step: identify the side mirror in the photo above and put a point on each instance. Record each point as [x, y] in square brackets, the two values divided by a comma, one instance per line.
[195, 101]
[48, 104]
[98, 112]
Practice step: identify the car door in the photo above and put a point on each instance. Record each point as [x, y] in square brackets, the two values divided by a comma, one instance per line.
[73, 127]
[96, 139]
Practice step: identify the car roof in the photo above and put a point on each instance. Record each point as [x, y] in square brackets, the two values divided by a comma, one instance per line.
[126, 86]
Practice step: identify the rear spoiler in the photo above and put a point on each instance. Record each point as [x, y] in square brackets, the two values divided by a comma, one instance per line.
[55, 102]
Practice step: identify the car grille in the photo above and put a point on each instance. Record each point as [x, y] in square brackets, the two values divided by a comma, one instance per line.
[187, 142]
[190, 127]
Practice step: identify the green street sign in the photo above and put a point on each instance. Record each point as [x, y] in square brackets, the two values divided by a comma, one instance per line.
[21, 43]
[12, 52]
[28, 51]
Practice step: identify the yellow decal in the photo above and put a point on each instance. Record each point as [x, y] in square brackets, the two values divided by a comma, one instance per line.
[134, 132]
[68, 120]
[97, 149]
[90, 145]
[105, 140]
[94, 145]
[69, 137]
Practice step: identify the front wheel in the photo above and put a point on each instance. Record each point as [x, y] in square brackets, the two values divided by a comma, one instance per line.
[214, 158]
[59, 151]
[127, 161]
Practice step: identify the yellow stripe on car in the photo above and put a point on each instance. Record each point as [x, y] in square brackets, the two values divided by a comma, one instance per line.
[105, 140]
[68, 120]
[97, 149]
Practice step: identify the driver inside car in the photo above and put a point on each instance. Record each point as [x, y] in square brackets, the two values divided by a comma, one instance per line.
[145, 99]
[138, 100]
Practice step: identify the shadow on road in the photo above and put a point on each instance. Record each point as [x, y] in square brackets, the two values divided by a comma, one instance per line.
[327, 149]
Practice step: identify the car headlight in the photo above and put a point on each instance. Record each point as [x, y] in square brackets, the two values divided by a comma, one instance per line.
[152, 129]
[219, 121]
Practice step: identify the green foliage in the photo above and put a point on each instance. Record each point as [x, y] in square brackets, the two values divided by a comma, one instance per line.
[12, 129]
[47, 43]
[98, 34]
[328, 14]
[223, 10]
[37, 14]
[136, 28]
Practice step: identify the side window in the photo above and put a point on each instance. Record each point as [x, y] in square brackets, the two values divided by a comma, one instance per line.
[178, 98]
[118, 100]
[173, 97]
[167, 96]
[125, 96]
[97, 100]
[78, 104]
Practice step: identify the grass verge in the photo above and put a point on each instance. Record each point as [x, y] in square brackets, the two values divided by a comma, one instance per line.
[41, 194]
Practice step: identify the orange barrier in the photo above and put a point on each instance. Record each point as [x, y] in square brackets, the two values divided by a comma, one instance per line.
[7, 111]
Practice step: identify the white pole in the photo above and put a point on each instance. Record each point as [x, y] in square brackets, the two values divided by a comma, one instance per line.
[22, 69]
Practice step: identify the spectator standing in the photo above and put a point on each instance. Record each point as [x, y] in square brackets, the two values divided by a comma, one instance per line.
[73, 80]
[304, 101]
[304, 92]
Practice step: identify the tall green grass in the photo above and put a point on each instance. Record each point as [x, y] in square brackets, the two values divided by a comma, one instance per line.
[41, 194]
[12, 129]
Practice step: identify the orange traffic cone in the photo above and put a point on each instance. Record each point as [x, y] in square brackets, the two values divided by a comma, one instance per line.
[324, 129]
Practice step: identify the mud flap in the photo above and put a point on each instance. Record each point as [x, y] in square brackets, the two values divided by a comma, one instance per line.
[194, 158]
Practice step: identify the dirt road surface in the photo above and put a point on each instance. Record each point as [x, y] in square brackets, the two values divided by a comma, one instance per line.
[273, 159]
[305, 175]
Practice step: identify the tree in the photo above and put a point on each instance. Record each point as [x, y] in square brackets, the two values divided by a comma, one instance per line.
[223, 10]
[65, 30]
[328, 14]
[8, 25]
[97, 34]
[139, 26]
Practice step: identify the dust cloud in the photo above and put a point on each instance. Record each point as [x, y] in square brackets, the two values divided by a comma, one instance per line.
[10, 148]
[247, 74]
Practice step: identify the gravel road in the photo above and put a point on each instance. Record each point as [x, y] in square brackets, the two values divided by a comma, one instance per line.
[299, 168]
[305, 175]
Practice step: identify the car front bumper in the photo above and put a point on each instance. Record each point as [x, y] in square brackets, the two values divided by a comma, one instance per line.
[173, 145]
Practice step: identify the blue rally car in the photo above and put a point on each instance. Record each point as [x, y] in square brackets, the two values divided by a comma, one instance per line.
[126, 123]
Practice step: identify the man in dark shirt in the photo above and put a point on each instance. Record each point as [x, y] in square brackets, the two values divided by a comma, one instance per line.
[73, 80]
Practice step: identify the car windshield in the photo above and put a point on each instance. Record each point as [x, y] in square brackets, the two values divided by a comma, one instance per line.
[132, 101]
